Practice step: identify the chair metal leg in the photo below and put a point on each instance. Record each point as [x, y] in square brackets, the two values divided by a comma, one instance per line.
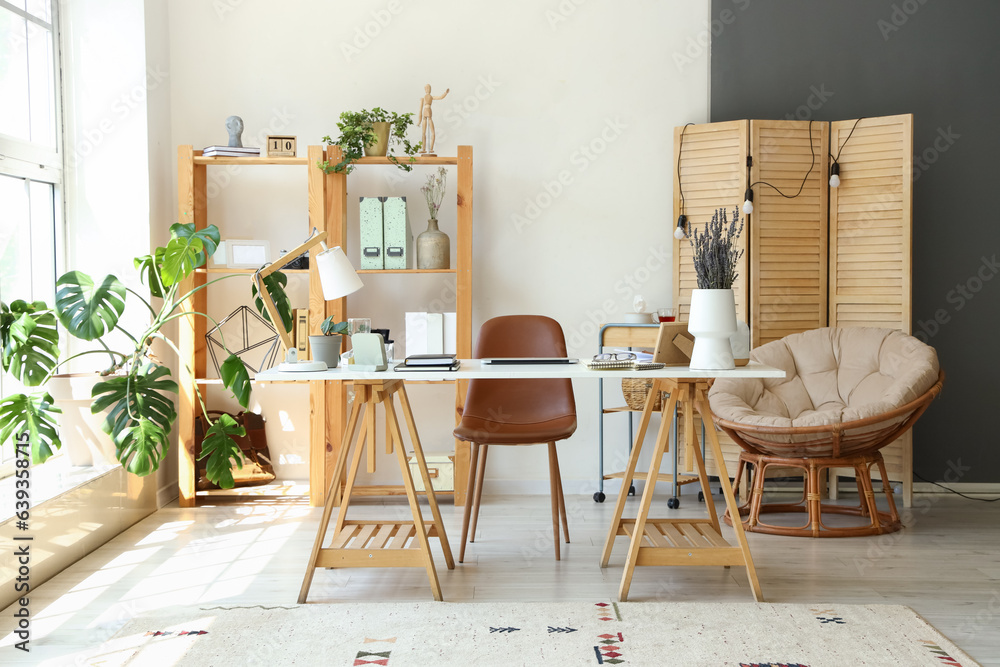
[480, 475]
[469, 492]
[562, 500]
[554, 493]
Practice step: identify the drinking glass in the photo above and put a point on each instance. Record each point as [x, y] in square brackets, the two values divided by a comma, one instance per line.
[666, 315]
[359, 325]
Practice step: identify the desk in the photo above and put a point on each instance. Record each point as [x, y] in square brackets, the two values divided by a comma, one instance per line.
[406, 544]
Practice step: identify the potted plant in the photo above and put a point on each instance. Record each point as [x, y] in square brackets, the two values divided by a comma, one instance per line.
[326, 347]
[135, 387]
[712, 319]
[359, 135]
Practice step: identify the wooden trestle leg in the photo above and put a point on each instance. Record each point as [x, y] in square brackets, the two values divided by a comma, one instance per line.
[677, 541]
[378, 543]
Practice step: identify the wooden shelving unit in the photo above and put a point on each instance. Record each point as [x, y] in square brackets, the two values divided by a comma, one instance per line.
[327, 195]
[192, 201]
[334, 393]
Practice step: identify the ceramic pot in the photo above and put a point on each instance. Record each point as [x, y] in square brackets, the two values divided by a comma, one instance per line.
[433, 248]
[325, 349]
[381, 145]
[83, 440]
[712, 321]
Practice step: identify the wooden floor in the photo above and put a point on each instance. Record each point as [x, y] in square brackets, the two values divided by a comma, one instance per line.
[945, 565]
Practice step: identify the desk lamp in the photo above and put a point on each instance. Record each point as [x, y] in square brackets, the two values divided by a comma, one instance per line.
[337, 278]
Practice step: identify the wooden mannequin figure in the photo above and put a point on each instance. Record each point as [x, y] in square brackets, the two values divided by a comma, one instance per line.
[426, 121]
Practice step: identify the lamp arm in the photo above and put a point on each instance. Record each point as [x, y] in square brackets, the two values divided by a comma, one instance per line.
[272, 310]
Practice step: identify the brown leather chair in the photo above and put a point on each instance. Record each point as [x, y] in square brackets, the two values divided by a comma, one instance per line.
[517, 412]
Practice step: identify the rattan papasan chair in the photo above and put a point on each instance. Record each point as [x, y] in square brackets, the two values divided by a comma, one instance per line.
[847, 393]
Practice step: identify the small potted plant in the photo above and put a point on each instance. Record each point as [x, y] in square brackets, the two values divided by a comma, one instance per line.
[375, 132]
[712, 319]
[326, 348]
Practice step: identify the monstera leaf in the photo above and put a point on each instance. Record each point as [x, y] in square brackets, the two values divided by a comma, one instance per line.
[86, 309]
[34, 415]
[140, 415]
[236, 378]
[187, 250]
[222, 451]
[30, 341]
[275, 285]
[149, 270]
[141, 447]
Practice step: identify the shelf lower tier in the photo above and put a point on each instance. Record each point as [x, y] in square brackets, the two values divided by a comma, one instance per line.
[376, 544]
[682, 542]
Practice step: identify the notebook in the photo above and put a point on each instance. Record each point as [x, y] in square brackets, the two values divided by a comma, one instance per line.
[528, 360]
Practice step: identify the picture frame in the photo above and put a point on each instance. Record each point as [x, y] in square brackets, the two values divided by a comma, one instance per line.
[247, 253]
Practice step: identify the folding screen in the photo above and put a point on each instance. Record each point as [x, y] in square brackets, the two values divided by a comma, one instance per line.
[814, 256]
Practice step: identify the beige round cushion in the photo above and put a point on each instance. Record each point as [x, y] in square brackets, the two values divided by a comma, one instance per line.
[832, 376]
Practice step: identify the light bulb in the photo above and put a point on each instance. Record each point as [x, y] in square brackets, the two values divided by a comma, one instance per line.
[835, 175]
[681, 230]
[748, 201]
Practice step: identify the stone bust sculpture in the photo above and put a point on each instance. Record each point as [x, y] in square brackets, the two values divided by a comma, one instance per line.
[235, 126]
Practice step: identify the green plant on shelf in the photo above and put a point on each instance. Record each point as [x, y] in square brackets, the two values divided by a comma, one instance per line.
[357, 133]
[136, 387]
[331, 328]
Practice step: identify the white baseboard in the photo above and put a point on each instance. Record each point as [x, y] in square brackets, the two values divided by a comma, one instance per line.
[167, 494]
[969, 488]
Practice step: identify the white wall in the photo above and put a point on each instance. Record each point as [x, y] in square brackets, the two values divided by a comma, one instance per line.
[586, 91]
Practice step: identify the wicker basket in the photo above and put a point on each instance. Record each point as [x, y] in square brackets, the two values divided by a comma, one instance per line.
[635, 391]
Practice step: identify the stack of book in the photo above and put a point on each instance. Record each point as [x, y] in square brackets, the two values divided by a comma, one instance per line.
[429, 362]
[230, 151]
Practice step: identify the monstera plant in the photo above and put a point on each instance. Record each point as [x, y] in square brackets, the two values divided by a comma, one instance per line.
[136, 389]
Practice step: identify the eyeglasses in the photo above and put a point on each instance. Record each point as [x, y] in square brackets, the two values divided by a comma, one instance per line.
[615, 356]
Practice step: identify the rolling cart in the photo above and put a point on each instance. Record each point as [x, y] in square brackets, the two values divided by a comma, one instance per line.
[635, 336]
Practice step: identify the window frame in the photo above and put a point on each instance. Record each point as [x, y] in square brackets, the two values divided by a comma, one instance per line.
[36, 162]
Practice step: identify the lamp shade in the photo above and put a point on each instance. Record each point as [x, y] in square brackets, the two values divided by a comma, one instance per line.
[336, 274]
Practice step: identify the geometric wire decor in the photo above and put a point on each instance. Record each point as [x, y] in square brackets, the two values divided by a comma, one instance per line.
[257, 340]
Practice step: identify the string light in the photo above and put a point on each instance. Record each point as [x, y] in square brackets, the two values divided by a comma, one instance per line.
[681, 231]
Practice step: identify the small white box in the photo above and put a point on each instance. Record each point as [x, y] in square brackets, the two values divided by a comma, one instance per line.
[415, 333]
[435, 333]
[450, 333]
[441, 468]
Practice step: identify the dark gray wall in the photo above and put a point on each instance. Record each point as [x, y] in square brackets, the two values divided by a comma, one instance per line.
[939, 61]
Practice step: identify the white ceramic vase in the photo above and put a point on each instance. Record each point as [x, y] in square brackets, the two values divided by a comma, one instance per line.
[83, 440]
[712, 321]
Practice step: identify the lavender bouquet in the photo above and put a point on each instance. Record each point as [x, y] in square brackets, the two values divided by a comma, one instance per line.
[715, 252]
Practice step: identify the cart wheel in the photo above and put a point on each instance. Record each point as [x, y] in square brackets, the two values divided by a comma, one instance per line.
[631, 490]
[701, 497]
[598, 496]
[673, 503]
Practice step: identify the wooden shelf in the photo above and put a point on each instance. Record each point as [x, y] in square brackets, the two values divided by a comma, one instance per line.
[623, 408]
[439, 160]
[376, 544]
[682, 542]
[200, 159]
[222, 269]
[371, 271]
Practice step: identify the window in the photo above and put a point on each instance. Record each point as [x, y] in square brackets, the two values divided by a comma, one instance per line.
[30, 161]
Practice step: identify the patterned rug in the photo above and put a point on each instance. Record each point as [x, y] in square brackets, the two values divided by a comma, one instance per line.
[429, 634]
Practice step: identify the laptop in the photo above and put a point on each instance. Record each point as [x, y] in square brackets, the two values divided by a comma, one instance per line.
[518, 361]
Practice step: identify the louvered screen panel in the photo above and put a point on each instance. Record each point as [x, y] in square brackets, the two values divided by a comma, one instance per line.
[710, 169]
[871, 223]
[788, 234]
[871, 219]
